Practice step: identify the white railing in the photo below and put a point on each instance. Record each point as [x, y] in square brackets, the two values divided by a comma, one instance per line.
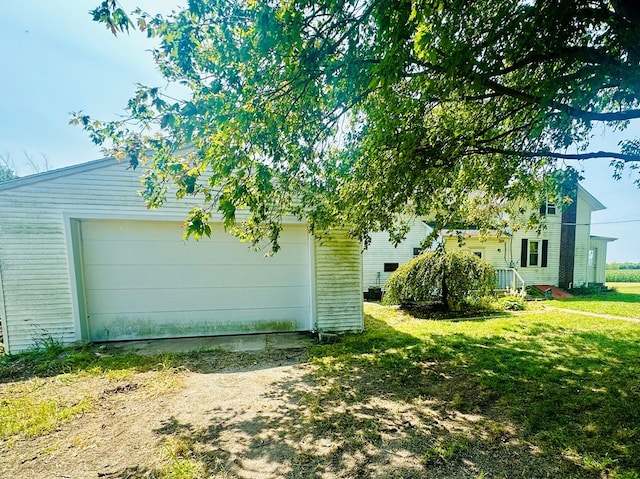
[509, 278]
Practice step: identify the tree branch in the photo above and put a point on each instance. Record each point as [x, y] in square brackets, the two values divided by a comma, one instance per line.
[562, 156]
[569, 110]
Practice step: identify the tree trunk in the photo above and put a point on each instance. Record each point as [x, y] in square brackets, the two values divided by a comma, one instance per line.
[445, 291]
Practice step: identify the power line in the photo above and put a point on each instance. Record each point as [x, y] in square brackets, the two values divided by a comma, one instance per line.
[601, 223]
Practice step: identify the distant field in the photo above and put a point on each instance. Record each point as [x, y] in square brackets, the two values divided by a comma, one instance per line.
[623, 276]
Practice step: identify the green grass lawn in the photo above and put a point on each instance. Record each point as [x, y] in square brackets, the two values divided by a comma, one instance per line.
[625, 301]
[568, 386]
[536, 394]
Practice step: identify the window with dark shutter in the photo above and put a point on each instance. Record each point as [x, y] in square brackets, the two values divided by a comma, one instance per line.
[545, 253]
[524, 250]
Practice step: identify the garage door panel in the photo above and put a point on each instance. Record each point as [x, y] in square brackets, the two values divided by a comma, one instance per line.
[144, 277]
[195, 323]
[141, 280]
[192, 253]
[196, 299]
[163, 231]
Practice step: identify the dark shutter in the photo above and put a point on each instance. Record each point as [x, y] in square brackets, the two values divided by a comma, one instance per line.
[543, 209]
[545, 249]
[524, 252]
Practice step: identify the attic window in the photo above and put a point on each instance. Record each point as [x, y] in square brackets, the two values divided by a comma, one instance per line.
[548, 209]
[390, 267]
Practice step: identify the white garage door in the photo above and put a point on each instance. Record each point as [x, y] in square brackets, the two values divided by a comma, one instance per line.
[142, 281]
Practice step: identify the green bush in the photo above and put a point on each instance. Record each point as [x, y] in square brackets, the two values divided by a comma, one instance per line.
[512, 302]
[450, 277]
[623, 276]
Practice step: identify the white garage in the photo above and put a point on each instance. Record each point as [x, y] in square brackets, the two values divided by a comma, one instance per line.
[81, 258]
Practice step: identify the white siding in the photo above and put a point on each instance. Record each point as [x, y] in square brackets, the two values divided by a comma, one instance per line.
[494, 250]
[583, 237]
[381, 251]
[338, 283]
[597, 271]
[38, 268]
[505, 252]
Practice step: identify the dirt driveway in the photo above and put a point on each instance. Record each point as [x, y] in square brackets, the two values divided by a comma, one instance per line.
[133, 433]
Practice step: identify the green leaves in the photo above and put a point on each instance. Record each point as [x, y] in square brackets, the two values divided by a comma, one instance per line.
[447, 276]
[361, 113]
[114, 17]
[197, 225]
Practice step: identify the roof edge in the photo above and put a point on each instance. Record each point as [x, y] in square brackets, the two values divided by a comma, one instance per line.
[57, 173]
[604, 238]
[592, 200]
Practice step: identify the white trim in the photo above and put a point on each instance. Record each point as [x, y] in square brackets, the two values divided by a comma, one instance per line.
[49, 175]
[591, 200]
[3, 312]
[75, 270]
[602, 238]
[313, 312]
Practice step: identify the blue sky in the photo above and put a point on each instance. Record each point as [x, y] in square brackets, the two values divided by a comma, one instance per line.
[56, 60]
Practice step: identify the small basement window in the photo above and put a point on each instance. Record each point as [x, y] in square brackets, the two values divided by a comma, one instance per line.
[390, 267]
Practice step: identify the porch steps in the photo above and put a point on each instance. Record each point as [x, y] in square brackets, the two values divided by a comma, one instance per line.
[556, 293]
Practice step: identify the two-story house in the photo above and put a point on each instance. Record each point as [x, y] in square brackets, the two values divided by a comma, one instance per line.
[563, 253]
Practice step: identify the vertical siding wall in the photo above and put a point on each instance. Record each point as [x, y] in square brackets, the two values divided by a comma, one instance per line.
[338, 265]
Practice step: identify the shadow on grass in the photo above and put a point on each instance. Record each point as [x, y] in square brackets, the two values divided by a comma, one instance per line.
[534, 400]
[608, 297]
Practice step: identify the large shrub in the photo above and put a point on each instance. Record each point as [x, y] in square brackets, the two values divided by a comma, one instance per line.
[450, 277]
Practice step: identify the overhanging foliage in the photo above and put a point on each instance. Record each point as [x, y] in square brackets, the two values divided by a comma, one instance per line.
[357, 112]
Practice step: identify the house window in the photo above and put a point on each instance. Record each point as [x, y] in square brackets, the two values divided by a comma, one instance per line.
[390, 267]
[548, 209]
[478, 253]
[534, 250]
[416, 252]
[534, 253]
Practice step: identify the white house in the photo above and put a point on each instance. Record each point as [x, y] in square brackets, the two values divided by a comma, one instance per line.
[382, 258]
[563, 254]
[82, 258]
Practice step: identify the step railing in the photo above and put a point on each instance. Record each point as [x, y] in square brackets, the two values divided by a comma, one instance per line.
[509, 278]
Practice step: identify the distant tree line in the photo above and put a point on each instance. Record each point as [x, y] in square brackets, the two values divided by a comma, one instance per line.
[623, 265]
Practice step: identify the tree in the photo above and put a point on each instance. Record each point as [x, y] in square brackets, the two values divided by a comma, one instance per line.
[450, 277]
[362, 112]
[6, 171]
